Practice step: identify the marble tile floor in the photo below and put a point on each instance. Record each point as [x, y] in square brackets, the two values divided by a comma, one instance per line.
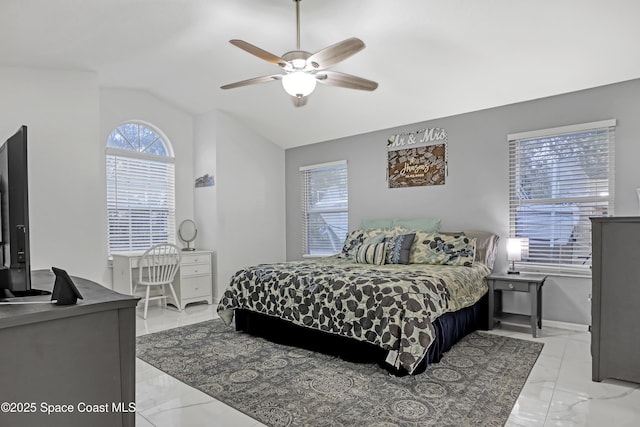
[558, 392]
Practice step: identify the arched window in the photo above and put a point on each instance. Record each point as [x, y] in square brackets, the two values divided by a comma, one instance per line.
[140, 188]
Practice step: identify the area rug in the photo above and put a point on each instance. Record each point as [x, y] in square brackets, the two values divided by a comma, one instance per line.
[476, 383]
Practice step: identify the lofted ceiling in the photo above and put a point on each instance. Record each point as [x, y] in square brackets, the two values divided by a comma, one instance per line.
[431, 58]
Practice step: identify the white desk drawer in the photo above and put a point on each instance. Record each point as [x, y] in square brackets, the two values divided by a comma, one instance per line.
[194, 270]
[195, 259]
[193, 287]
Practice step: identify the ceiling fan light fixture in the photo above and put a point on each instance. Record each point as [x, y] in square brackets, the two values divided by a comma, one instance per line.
[299, 83]
[301, 70]
[299, 63]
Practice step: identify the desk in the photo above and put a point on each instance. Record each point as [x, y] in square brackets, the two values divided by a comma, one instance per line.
[193, 283]
[73, 354]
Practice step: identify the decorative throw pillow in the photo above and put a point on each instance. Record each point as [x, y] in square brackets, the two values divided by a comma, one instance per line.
[376, 238]
[357, 237]
[371, 254]
[352, 243]
[418, 252]
[398, 248]
[443, 249]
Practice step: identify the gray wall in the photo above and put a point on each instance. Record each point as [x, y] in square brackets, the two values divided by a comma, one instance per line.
[475, 195]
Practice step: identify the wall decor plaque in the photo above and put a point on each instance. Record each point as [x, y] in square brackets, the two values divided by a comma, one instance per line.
[417, 158]
[205, 180]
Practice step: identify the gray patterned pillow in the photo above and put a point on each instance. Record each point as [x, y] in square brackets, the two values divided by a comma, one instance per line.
[398, 248]
[443, 249]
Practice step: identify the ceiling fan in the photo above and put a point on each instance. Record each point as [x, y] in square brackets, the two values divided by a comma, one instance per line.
[301, 69]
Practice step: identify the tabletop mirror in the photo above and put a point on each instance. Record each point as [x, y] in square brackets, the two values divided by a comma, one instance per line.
[187, 233]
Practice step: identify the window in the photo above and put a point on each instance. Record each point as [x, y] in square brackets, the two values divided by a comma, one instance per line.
[324, 208]
[558, 178]
[140, 189]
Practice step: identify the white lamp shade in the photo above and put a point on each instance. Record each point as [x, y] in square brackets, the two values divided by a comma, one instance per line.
[514, 249]
[517, 248]
[299, 83]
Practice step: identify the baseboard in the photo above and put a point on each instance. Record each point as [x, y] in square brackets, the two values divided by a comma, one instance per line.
[565, 325]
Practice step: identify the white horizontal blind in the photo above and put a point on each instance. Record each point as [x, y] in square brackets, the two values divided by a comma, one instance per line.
[557, 180]
[140, 201]
[324, 208]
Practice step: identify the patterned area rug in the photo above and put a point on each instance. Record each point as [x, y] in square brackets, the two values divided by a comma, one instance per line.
[476, 383]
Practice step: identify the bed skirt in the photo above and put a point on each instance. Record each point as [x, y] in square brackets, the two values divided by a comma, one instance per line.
[450, 328]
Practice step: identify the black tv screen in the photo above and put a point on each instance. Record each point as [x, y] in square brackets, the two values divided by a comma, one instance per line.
[15, 274]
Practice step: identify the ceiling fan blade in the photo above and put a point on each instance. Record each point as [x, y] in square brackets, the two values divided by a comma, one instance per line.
[253, 81]
[335, 53]
[334, 78]
[260, 53]
[299, 101]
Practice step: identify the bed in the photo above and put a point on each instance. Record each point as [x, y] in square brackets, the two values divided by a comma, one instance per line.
[379, 298]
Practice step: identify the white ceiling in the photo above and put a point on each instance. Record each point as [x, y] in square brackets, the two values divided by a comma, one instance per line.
[431, 58]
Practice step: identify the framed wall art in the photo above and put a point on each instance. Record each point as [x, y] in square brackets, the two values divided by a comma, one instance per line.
[417, 158]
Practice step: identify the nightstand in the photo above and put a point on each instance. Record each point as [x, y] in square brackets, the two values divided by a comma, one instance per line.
[523, 282]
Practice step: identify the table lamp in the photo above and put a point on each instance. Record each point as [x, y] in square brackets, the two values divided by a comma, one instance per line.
[517, 248]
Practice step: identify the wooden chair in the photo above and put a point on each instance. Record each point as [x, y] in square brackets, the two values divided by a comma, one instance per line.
[158, 267]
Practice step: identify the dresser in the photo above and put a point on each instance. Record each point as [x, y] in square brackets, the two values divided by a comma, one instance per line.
[193, 282]
[615, 305]
[73, 355]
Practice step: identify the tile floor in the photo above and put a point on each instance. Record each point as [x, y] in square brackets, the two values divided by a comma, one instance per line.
[558, 392]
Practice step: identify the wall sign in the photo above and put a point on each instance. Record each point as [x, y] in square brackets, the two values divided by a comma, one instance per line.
[205, 180]
[417, 158]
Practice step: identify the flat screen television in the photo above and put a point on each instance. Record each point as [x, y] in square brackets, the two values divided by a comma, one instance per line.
[15, 270]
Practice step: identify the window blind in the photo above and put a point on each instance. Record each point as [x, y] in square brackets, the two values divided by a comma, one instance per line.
[558, 179]
[324, 208]
[140, 201]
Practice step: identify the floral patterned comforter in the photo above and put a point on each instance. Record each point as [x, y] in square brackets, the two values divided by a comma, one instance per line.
[392, 305]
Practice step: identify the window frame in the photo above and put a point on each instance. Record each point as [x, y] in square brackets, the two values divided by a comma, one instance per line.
[113, 154]
[593, 202]
[306, 212]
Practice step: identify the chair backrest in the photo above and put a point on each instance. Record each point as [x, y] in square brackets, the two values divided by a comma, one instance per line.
[160, 263]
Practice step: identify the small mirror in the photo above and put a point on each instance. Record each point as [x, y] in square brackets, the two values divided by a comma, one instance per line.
[187, 233]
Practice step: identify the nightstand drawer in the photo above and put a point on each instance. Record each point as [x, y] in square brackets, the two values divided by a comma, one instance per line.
[194, 287]
[194, 270]
[503, 285]
[195, 259]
